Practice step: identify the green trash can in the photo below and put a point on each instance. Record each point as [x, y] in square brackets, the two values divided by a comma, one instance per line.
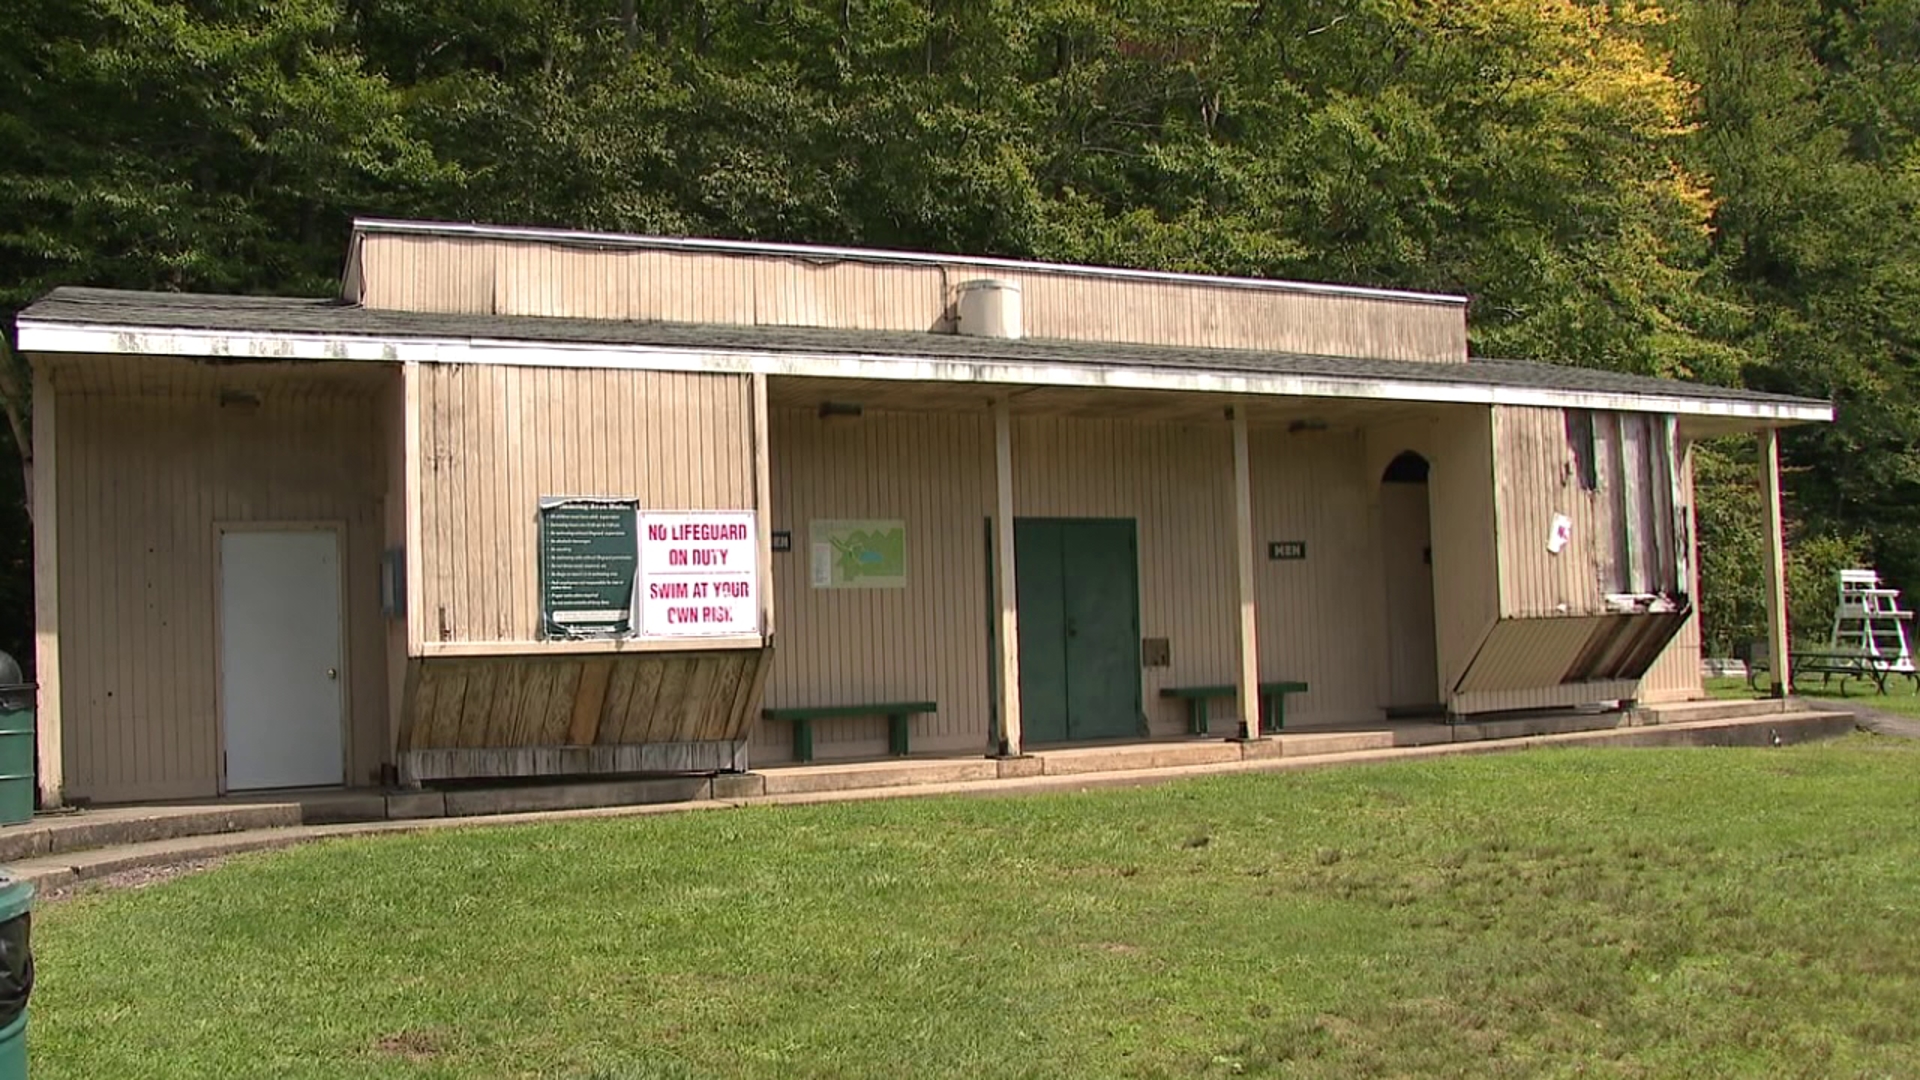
[18, 745]
[16, 974]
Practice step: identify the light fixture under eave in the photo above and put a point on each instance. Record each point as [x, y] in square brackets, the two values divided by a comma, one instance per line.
[239, 399]
[1306, 424]
[839, 408]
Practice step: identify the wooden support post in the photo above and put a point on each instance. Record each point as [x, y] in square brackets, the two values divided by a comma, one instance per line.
[1776, 564]
[763, 505]
[410, 434]
[405, 726]
[46, 592]
[1009, 636]
[1249, 680]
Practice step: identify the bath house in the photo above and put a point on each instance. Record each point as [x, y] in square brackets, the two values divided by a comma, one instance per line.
[524, 502]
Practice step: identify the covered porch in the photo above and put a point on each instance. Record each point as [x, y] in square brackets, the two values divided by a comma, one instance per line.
[1094, 565]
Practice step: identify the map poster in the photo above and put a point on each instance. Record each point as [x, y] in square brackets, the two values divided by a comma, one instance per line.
[589, 550]
[858, 554]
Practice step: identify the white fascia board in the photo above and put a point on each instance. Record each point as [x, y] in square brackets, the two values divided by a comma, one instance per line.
[49, 337]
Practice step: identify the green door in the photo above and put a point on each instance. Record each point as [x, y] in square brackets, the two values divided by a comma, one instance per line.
[1078, 589]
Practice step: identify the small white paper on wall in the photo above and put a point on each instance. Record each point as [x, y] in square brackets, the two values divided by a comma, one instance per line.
[1561, 533]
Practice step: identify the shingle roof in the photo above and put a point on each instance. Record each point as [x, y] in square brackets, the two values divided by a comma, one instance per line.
[271, 315]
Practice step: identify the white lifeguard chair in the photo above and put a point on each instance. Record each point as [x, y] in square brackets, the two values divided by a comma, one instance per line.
[1869, 623]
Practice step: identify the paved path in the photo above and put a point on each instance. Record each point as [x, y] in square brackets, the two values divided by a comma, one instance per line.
[138, 863]
[1880, 721]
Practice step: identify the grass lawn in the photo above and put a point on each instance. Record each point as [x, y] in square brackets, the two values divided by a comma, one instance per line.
[1600, 912]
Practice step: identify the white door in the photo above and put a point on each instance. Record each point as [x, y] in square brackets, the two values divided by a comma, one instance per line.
[280, 684]
[1406, 542]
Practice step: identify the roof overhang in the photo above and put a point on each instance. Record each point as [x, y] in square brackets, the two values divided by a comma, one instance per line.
[233, 346]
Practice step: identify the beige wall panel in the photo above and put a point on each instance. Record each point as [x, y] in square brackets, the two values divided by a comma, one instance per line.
[1316, 614]
[1545, 697]
[855, 646]
[1538, 478]
[1176, 481]
[144, 483]
[1458, 445]
[495, 439]
[1320, 618]
[1086, 308]
[1676, 676]
[452, 274]
[1529, 653]
[417, 273]
[930, 640]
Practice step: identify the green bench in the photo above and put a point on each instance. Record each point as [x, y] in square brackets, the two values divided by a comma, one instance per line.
[1273, 703]
[899, 715]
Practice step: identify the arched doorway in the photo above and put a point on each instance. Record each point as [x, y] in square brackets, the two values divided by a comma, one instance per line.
[1406, 547]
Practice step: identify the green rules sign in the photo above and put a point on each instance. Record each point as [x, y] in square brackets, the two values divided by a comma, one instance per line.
[589, 551]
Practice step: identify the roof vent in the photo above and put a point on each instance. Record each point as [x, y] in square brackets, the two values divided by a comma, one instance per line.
[989, 307]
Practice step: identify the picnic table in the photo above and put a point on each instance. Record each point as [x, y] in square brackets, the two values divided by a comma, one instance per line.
[1828, 663]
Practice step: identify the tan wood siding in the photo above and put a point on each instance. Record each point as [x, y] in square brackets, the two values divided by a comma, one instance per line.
[464, 275]
[496, 439]
[1623, 529]
[146, 478]
[1676, 676]
[499, 703]
[1543, 697]
[927, 641]
[1458, 446]
[1622, 490]
[1537, 481]
[1317, 616]
[1176, 482]
[1529, 653]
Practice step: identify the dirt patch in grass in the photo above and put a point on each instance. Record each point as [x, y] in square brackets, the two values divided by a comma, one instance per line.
[415, 1046]
[137, 878]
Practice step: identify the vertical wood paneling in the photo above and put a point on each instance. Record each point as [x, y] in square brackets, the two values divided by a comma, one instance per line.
[1458, 445]
[928, 640]
[495, 439]
[1176, 482]
[1537, 479]
[524, 277]
[1529, 654]
[1623, 532]
[1315, 623]
[144, 482]
[1676, 676]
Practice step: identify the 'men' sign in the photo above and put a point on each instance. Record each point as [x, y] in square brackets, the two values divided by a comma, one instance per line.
[699, 574]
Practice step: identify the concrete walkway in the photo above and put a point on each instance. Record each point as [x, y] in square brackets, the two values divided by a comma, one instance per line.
[59, 872]
[1882, 722]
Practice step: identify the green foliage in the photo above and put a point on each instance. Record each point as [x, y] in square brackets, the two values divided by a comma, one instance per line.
[1808, 129]
[1732, 556]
